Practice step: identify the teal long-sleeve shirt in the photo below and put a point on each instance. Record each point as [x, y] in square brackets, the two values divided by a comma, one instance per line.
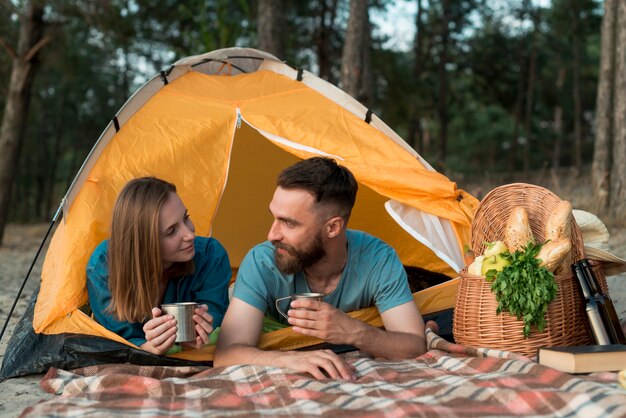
[207, 285]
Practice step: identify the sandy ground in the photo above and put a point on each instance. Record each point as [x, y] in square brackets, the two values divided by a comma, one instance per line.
[21, 244]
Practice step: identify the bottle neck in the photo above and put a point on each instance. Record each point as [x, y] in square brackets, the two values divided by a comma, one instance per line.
[583, 281]
[591, 277]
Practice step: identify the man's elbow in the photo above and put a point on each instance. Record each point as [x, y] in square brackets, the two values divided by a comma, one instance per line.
[221, 355]
[218, 359]
[414, 347]
[419, 346]
[231, 354]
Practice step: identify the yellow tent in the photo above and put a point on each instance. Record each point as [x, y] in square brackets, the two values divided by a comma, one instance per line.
[221, 126]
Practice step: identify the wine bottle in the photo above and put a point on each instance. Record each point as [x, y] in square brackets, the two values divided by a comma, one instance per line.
[611, 321]
[592, 307]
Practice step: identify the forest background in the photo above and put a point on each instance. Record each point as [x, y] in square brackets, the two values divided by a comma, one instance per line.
[487, 91]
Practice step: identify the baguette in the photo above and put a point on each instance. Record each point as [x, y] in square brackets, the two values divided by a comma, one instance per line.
[553, 252]
[559, 224]
[518, 234]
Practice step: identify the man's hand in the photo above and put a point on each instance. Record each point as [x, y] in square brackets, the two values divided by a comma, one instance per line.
[160, 333]
[321, 364]
[240, 334]
[322, 320]
[402, 337]
[204, 326]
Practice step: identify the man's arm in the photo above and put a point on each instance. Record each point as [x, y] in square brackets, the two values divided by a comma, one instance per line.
[402, 338]
[239, 336]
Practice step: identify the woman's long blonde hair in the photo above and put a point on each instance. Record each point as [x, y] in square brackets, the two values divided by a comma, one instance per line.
[134, 254]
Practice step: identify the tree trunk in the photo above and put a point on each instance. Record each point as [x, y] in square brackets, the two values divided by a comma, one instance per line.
[74, 165]
[24, 64]
[366, 93]
[270, 27]
[601, 167]
[51, 200]
[353, 57]
[443, 87]
[530, 90]
[19, 196]
[558, 123]
[416, 139]
[618, 169]
[328, 10]
[41, 158]
[426, 139]
[519, 97]
[517, 114]
[578, 136]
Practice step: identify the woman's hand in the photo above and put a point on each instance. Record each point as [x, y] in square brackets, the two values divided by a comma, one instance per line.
[204, 326]
[160, 332]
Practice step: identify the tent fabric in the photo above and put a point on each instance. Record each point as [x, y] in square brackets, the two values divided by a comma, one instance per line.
[221, 126]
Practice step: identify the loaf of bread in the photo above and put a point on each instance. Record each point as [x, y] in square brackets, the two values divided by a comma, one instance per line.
[518, 234]
[559, 224]
[553, 252]
[558, 231]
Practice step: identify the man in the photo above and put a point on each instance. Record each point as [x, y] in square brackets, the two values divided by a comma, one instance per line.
[309, 249]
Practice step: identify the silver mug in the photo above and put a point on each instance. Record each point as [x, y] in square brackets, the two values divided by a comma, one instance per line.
[183, 313]
[295, 296]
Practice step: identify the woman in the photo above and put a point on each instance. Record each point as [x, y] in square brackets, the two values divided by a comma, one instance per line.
[153, 257]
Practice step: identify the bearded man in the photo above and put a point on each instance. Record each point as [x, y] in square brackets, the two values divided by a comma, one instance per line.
[310, 249]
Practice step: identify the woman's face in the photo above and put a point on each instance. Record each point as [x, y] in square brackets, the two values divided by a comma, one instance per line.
[176, 232]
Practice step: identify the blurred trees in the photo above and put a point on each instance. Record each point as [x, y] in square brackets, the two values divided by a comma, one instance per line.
[609, 162]
[486, 86]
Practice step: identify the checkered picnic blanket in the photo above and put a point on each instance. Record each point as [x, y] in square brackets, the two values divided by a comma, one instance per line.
[449, 380]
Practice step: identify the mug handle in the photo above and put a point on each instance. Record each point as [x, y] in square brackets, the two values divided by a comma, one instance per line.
[278, 307]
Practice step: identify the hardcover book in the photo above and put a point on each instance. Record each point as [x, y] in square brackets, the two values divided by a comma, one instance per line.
[584, 358]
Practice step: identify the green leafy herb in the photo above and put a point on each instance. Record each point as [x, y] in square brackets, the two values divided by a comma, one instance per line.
[523, 288]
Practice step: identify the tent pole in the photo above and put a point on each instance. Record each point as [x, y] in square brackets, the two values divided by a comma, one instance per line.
[19, 293]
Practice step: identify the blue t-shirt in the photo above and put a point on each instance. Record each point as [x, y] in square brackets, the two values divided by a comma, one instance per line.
[207, 285]
[373, 275]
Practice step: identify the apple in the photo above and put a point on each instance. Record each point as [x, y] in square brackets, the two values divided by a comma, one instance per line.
[494, 262]
[495, 248]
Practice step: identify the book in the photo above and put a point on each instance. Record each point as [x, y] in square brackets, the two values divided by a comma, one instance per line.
[584, 358]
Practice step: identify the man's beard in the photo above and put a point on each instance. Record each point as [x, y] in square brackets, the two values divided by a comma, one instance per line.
[295, 260]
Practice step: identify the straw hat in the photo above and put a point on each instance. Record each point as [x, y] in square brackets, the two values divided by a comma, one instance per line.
[596, 242]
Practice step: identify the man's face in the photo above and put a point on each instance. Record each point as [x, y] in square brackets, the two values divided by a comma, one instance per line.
[297, 231]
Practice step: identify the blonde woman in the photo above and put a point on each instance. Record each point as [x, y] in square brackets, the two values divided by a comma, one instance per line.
[153, 257]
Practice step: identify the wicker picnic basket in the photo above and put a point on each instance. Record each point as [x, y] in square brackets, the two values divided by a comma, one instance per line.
[475, 322]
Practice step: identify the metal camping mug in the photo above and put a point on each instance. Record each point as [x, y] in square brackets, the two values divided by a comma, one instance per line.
[183, 313]
[310, 296]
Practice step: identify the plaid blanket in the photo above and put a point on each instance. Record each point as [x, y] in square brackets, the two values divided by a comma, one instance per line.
[449, 380]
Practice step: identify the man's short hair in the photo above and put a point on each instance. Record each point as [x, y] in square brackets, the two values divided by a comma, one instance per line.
[327, 181]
